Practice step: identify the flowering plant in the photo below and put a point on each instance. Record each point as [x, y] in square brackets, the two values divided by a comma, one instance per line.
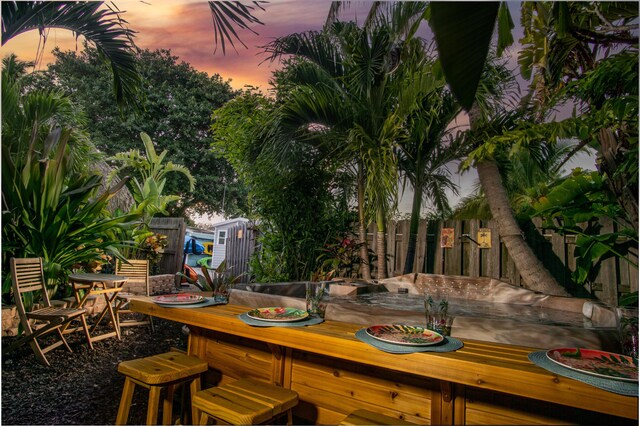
[342, 258]
[153, 247]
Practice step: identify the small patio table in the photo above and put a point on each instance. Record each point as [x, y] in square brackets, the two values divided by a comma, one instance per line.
[94, 284]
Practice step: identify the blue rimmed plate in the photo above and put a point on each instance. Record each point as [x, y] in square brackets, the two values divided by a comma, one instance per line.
[596, 363]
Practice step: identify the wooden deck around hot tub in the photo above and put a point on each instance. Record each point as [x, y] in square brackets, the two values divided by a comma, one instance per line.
[334, 373]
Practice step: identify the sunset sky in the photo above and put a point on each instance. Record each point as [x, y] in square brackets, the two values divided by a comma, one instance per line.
[185, 27]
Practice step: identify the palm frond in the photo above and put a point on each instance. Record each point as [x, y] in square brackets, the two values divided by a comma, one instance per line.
[314, 46]
[229, 15]
[105, 28]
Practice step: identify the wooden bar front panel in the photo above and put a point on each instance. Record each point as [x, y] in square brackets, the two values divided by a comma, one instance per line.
[331, 389]
[482, 383]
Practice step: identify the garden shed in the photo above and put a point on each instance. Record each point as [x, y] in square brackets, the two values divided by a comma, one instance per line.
[221, 232]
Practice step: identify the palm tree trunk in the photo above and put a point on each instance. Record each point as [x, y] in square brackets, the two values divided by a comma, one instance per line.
[413, 228]
[381, 246]
[534, 275]
[365, 270]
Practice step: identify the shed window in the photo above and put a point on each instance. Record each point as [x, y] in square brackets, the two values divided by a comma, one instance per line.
[222, 236]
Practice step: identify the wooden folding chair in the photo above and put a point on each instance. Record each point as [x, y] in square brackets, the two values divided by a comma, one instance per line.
[137, 272]
[28, 277]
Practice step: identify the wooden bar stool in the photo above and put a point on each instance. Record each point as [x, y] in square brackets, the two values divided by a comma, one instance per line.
[154, 373]
[244, 402]
[366, 417]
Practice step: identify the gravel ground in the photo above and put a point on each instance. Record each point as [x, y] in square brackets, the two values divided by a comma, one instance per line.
[83, 387]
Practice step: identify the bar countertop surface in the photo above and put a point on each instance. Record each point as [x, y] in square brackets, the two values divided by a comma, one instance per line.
[483, 365]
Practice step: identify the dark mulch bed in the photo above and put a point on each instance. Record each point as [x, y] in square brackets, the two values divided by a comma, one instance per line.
[83, 387]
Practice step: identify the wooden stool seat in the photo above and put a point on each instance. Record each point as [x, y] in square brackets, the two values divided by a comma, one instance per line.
[244, 402]
[366, 417]
[155, 372]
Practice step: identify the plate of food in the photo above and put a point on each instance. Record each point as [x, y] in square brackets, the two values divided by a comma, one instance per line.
[178, 299]
[277, 314]
[596, 363]
[407, 335]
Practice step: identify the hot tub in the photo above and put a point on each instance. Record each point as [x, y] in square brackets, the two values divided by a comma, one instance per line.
[484, 309]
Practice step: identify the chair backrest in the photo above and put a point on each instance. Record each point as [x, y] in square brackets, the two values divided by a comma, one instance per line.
[27, 276]
[137, 272]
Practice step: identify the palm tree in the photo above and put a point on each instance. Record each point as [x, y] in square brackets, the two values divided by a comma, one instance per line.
[27, 112]
[423, 158]
[377, 90]
[528, 175]
[105, 28]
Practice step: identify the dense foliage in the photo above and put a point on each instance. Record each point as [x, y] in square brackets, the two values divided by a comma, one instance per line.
[177, 102]
[297, 200]
[51, 205]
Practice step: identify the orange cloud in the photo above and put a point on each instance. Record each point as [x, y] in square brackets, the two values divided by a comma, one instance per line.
[186, 28]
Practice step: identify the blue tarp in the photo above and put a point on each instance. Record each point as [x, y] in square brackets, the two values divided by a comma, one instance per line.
[192, 246]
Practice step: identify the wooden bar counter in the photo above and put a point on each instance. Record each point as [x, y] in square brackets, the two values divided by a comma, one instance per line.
[334, 374]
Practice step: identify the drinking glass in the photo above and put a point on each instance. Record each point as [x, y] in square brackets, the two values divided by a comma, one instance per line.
[436, 306]
[315, 293]
[628, 330]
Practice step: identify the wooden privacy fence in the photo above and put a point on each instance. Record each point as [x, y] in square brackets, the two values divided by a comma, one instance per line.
[241, 243]
[174, 229]
[466, 258]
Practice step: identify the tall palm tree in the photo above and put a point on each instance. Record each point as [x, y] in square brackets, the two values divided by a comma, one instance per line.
[375, 88]
[527, 175]
[423, 158]
[102, 26]
[492, 93]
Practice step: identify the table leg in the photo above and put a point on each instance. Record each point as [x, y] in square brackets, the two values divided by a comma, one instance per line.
[85, 327]
[83, 318]
[114, 320]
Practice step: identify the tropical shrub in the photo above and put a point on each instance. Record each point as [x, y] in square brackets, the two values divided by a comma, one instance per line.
[297, 198]
[50, 213]
[341, 258]
[574, 208]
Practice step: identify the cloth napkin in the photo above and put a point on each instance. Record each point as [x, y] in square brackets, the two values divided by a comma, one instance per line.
[616, 386]
[449, 344]
[258, 323]
[209, 302]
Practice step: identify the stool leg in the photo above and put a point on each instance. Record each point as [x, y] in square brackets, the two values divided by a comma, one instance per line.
[167, 405]
[125, 402]
[289, 417]
[195, 388]
[154, 403]
[204, 418]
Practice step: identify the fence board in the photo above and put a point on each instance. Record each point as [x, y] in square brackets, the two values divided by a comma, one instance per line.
[174, 229]
[465, 258]
[421, 248]
[240, 245]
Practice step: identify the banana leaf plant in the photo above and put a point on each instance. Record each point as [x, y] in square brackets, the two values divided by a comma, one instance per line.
[574, 208]
[48, 212]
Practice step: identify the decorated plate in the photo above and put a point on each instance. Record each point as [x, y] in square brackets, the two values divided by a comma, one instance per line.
[596, 363]
[178, 299]
[404, 335]
[277, 314]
